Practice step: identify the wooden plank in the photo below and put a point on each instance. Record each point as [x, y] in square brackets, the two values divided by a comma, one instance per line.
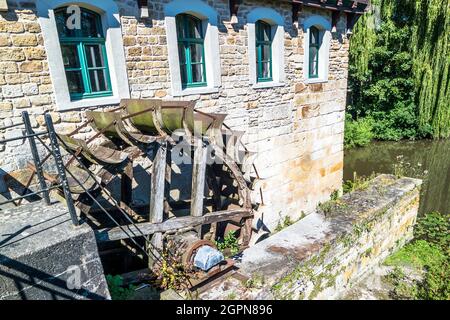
[198, 181]
[168, 179]
[157, 197]
[116, 233]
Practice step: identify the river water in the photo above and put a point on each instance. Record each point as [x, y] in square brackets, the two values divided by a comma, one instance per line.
[425, 159]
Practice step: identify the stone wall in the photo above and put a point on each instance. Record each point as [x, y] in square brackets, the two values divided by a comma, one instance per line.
[327, 252]
[296, 128]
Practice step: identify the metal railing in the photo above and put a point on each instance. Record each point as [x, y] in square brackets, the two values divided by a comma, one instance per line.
[63, 170]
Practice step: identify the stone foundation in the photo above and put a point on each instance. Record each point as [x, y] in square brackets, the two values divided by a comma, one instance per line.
[324, 254]
[44, 257]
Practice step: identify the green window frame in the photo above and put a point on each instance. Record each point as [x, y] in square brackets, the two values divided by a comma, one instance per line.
[314, 48]
[191, 50]
[263, 51]
[84, 55]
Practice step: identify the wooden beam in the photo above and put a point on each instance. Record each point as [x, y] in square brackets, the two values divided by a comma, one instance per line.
[198, 180]
[334, 20]
[351, 20]
[334, 7]
[157, 184]
[116, 233]
[234, 8]
[296, 9]
[143, 8]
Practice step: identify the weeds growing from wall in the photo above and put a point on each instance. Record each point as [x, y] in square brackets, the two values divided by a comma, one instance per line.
[429, 255]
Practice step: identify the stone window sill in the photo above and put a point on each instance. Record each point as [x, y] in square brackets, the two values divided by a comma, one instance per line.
[194, 91]
[85, 103]
[271, 84]
[314, 80]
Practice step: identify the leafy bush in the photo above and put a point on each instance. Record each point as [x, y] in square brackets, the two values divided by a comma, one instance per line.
[358, 133]
[116, 289]
[419, 254]
[428, 253]
[434, 228]
[228, 243]
[436, 284]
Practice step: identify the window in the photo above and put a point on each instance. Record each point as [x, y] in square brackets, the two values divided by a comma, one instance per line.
[314, 47]
[191, 51]
[317, 40]
[84, 55]
[263, 51]
[266, 54]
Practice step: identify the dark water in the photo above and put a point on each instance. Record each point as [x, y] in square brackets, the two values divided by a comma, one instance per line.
[428, 160]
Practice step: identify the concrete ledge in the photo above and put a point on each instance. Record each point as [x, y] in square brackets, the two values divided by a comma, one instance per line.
[43, 256]
[324, 254]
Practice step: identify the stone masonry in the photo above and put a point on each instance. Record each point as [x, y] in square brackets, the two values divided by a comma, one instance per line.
[296, 128]
[326, 253]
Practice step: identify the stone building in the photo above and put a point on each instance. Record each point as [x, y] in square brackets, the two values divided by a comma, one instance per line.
[278, 68]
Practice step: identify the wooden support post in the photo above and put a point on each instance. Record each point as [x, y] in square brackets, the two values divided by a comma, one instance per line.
[126, 190]
[167, 179]
[157, 198]
[198, 181]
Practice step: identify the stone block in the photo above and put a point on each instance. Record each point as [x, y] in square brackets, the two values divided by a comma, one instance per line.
[31, 66]
[44, 257]
[35, 53]
[11, 54]
[8, 67]
[40, 100]
[24, 40]
[11, 26]
[4, 40]
[12, 91]
[30, 89]
[33, 27]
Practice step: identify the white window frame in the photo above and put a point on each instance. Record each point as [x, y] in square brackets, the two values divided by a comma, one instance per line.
[276, 21]
[109, 13]
[324, 26]
[209, 19]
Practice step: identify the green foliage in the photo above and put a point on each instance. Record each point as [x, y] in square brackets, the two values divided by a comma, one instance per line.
[383, 94]
[399, 69]
[358, 183]
[418, 254]
[287, 221]
[358, 133]
[116, 288]
[172, 274]
[434, 228]
[403, 288]
[228, 243]
[428, 253]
